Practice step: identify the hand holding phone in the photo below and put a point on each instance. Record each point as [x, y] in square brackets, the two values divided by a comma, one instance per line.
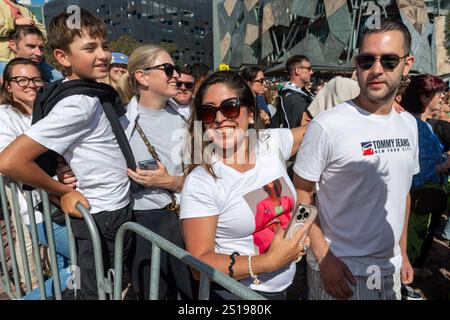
[302, 215]
[148, 165]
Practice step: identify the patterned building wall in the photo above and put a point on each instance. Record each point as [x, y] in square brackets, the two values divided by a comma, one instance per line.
[327, 31]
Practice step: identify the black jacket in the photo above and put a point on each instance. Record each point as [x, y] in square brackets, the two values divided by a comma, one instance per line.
[290, 108]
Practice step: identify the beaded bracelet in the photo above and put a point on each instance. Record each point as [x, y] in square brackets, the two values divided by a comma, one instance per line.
[250, 271]
[233, 261]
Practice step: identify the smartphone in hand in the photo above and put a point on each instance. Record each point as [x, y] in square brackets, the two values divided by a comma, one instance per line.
[148, 164]
[302, 215]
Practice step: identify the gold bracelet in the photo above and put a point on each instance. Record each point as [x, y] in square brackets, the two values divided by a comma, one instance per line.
[250, 271]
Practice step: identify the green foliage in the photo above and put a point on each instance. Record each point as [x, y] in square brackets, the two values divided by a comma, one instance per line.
[124, 44]
[127, 44]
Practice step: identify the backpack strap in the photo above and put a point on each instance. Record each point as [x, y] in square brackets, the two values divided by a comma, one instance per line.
[111, 105]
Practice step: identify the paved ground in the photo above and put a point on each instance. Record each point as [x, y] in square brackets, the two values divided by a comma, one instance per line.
[436, 287]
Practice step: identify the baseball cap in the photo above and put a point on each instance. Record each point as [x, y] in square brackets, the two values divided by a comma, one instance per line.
[119, 58]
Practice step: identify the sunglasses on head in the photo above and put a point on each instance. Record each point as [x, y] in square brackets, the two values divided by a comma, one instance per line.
[168, 68]
[187, 84]
[230, 108]
[388, 61]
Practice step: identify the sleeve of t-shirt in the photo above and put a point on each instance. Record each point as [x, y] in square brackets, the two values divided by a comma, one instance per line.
[198, 197]
[6, 134]
[283, 140]
[314, 154]
[66, 123]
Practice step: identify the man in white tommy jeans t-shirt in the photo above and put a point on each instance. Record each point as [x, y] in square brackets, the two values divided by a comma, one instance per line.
[363, 155]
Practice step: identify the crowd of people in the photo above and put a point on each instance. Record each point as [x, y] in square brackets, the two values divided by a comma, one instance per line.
[216, 162]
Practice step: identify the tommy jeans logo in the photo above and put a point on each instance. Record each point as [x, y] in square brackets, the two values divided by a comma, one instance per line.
[367, 148]
[385, 146]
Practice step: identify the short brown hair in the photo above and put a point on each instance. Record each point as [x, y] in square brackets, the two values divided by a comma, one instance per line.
[61, 36]
[293, 61]
[392, 25]
[20, 32]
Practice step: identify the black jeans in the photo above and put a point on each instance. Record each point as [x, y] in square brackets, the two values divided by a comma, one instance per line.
[108, 223]
[175, 276]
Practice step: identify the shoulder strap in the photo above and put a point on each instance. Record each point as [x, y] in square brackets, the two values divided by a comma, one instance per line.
[111, 106]
[173, 207]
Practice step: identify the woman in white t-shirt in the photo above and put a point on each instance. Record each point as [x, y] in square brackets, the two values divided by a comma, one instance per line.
[22, 80]
[150, 82]
[228, 172]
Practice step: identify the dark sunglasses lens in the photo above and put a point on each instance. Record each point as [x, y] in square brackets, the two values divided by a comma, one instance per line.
[169, 69]
[207, 114]
[188, 85]
[365, 62]
[230, 108]
[389, 62]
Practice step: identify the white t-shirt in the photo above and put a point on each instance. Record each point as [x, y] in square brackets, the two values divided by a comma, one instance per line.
[184, 110]
[12, 125]
[235, 197]
[78, 129]
[363, 164]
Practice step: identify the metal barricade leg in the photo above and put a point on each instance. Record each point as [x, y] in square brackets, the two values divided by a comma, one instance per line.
[7, 217]
[99, 266]
[35, 243]
[154, 272]
[74, 282]
[20, 236]
[51, 245]
[204, 288]
[4, 280]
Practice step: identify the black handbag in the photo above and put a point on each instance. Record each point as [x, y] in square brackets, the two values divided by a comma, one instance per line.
[428, 200]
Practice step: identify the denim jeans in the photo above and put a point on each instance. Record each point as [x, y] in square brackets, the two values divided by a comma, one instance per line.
[62, 258]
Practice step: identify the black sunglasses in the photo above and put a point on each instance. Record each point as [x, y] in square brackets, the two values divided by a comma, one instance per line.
[260, 81]
[388, 61]
[188, 84]
[167, 67]
[230, 108]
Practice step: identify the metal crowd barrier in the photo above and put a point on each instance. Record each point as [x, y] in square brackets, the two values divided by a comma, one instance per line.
[110, 285]
[207, 273]
[5, 279]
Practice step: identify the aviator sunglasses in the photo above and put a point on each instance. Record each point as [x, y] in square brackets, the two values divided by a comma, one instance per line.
[388, 61]
[230, 108]
[187, 84]
[168, 68]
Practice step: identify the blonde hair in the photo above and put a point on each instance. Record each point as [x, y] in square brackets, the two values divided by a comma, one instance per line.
[141, 58]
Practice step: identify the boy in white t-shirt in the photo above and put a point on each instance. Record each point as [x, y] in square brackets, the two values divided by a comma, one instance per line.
[78, 129]
[363, 155]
